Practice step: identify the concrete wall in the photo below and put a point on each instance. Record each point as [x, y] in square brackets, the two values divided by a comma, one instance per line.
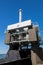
[33, 34]
[37, 56]
[7, 38]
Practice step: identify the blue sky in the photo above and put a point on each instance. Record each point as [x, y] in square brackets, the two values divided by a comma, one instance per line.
[32, 9]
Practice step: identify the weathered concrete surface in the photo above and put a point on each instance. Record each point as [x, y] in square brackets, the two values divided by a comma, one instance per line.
[37, 56]
[13, 57]
[39, 64]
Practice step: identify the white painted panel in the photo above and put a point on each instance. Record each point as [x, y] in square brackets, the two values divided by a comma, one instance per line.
[18, 25]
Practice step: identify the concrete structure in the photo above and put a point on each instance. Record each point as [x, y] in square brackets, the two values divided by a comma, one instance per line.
[22, 34]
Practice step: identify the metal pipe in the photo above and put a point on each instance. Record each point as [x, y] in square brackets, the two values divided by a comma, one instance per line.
[20, 15]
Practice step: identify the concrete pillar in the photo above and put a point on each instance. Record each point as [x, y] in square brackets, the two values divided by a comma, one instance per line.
[36, 55]
[33, 57]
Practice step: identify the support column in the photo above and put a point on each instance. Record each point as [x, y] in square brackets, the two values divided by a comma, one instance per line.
[36, 55]
[33, 57]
